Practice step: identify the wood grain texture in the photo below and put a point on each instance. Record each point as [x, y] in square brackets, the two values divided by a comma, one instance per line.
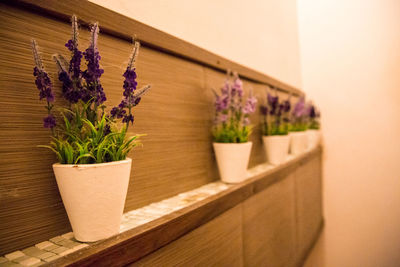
[216, 243]
[123, 27]
[308, 178]
[269, 226]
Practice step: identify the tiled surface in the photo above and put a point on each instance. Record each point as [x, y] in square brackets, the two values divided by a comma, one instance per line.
[65, 244]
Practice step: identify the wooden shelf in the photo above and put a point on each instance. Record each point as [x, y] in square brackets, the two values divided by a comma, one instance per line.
[138, 242]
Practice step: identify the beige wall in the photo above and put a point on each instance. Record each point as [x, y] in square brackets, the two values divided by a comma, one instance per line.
[260, 34]
[350, 54]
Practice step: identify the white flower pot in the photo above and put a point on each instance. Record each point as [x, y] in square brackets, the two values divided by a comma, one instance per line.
[232, 159]
[314, 138]
[94, 197]
[298, 142]
[276, 148]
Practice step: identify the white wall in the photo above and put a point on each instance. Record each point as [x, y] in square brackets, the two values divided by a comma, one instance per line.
[260, 34]
[350, 60]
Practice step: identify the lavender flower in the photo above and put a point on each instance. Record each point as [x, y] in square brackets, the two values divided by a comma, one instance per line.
[275, 116]
[44, 85]
[221, 101]
[231, 121]
[237, 86]
[273, 103]
[299, 108]
[93, 73]
[72, 45]
[130, 100]
[69, 90]
[49, 122]
[250, 105]
[43, 82]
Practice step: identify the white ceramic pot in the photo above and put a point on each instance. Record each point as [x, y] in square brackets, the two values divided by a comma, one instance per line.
[276, 148]
[232, 159]
[298, 142]
[314, 138]
[94, 197]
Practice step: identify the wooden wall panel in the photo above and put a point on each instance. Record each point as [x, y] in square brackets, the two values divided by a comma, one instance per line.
[269, 226]
[216, 243]
[308, 179]
[176, 116]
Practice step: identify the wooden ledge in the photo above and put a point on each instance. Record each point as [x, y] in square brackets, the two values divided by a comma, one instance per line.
[122, 27]
[138, 242]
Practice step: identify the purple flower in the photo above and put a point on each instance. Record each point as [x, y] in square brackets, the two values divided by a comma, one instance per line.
[246, 121]
[264, 110]
[299, 108]
[93, 73]
[273, 103]
[237, 87]
[49, 122]
[286, 106]
[43, 84]
[312, 113]
[128, 118]
[42, 81]
[221, 102]
[129, 82]
[70, 92]
[124, 109]
[250, 105]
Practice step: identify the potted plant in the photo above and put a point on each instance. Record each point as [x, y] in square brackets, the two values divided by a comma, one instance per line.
[91, 146]
[232, 129]
[275, 129]
[314, 133]
[298, 127]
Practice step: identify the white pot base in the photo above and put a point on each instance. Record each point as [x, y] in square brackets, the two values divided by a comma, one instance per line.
[298, 142]
[276, 148]
[94, 197]
[232, 159]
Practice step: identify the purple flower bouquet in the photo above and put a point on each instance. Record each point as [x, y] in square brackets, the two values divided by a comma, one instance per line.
[299, 117]
[84, 132]
[232, 122]
[275, 116]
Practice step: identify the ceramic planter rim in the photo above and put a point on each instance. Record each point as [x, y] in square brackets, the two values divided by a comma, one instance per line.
[59, 165]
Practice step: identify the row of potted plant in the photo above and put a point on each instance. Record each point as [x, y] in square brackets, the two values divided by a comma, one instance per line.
[92, 142]
[283, 130]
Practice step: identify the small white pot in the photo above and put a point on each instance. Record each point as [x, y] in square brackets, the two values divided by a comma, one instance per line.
[314, 138]
[94, 197]
[276, 148]
[232, 159]
[298, 142]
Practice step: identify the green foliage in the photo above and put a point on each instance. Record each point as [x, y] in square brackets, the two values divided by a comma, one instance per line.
[80, 141]
[281, 128]
[298, 127]
[314, 125]
[231, 133]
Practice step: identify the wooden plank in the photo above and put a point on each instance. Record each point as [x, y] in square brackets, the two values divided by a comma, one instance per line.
[216, 243]
[269, 226]
[123, 27]
[308, 177]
